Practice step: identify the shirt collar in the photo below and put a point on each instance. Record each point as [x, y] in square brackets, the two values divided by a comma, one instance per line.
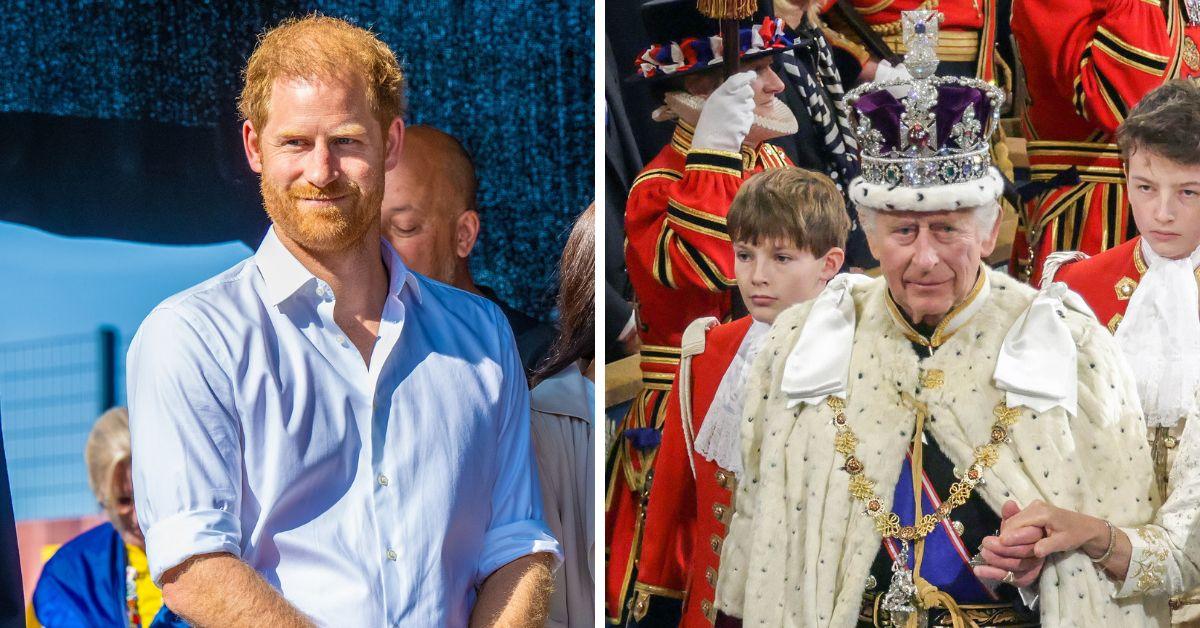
[567, 392]
[398, 274]
[954, 320]
[284, 275]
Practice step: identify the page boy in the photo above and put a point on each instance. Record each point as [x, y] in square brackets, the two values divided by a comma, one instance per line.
[789, 229]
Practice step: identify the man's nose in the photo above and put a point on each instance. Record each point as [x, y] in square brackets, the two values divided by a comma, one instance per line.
[771, 83]
[925, 255]
[1164, 209]
[321, 166]
[758, 272]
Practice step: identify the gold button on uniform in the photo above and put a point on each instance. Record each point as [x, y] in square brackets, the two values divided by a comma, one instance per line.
[719, 511]
[383, 480]
[726, 480]
[391, 555]
[1125, 288]
[722, 476]
[715, 544]
[710, 576]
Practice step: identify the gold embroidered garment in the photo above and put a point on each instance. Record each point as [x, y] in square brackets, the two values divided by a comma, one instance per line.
[800, 547]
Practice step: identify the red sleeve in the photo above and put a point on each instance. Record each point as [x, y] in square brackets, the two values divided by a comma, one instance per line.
[671, 511]
[690, 244]
[1112, 53]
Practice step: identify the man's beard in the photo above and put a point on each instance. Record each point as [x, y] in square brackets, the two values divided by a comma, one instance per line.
[326, 229]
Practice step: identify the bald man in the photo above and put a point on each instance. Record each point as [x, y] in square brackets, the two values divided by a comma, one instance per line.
[430, 216]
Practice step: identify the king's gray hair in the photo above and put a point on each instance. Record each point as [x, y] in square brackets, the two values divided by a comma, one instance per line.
[985, 217]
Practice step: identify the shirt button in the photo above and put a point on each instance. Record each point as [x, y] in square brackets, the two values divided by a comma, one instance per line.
[391, 555]
[383, 480]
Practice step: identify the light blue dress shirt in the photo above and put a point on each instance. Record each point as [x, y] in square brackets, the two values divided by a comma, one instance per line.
[369, 496]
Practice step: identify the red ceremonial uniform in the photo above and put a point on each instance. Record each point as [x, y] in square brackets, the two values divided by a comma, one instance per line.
[1089, 62]
[680, 263]
[687, 514]
[967, 32]
[1106, 281]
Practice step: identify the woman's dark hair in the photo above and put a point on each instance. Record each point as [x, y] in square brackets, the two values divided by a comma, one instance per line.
[576, 338]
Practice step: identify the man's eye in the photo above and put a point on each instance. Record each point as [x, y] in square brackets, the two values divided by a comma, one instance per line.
[783, 259]
[1190, 193]
[344, 141]
[742, 256]
[1143, 188]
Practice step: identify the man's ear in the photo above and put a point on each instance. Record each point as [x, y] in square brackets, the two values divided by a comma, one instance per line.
[989, 244]
[701, 84]
[395, 144]
[250, 141]
[834, 259]
[466, 232]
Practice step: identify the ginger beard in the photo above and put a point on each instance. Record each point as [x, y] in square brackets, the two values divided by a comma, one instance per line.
[327, 227]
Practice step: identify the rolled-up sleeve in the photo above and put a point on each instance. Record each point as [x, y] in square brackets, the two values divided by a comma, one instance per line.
[187, 462]
[517, 528]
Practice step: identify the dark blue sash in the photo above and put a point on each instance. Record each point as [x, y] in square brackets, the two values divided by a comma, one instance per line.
[945, 563]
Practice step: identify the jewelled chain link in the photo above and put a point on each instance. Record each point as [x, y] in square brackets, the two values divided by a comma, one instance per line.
[862, 488]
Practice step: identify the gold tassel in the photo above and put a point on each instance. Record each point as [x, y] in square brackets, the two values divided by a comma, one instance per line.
[930, 596]
[727, 9]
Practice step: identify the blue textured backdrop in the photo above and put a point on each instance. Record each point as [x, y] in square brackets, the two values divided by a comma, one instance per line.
[512, 79]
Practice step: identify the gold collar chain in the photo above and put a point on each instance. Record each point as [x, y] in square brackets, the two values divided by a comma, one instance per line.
[862, 488]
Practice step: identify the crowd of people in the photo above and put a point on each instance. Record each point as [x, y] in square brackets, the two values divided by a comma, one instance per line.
[854, 410]
[338, 430]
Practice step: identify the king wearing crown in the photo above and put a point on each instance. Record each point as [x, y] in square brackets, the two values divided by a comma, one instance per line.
[892, 423]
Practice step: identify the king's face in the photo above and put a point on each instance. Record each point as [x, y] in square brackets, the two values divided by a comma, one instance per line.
[930, 259]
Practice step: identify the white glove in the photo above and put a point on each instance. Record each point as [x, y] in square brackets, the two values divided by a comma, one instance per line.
[727, 115]
[885, 71]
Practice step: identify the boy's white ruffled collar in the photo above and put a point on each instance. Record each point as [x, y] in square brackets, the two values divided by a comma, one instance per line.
[1160, 337]
[720, 437]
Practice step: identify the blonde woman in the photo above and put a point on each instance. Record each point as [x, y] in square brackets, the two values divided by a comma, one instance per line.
[101, 577]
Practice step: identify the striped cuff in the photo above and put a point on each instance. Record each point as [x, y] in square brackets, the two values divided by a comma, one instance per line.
[714, 161]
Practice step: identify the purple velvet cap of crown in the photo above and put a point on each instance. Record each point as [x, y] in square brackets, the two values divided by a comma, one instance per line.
[884, 111]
